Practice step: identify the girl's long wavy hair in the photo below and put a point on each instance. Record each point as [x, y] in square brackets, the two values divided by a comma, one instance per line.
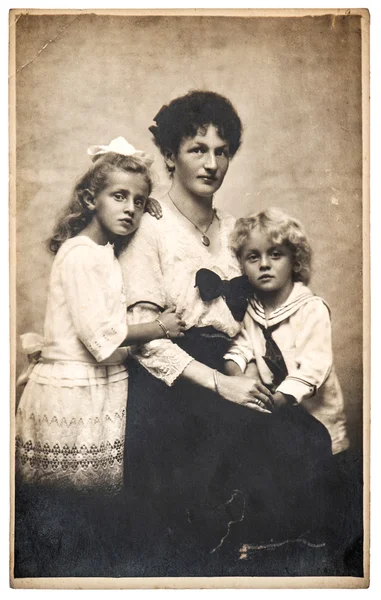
[76, 216]
[281, 229]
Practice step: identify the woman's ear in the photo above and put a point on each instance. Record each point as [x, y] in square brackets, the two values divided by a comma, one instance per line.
[88, 200]
[169, 158]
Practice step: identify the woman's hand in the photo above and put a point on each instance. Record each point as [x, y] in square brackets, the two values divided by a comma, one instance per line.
[172, 322]
[245, 391]
[153, 207]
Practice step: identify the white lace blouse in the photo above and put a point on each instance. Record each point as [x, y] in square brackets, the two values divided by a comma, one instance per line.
[159, 267]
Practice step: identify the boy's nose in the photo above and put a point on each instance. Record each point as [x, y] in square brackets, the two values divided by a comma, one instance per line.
[264, 264]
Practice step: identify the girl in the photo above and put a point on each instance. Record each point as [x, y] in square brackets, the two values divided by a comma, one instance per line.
[70, 422]
[286, 340]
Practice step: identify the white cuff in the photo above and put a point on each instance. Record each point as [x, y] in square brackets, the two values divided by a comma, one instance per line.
[239, 360]
[301, 390]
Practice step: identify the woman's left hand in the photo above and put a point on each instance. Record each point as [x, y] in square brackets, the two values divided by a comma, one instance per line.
[153, 207]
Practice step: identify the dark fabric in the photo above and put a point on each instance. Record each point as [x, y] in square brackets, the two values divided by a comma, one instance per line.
[62, 533]
[193, 457]
[273, 356]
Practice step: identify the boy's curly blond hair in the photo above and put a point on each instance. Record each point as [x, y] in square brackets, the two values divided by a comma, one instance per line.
[281, 229]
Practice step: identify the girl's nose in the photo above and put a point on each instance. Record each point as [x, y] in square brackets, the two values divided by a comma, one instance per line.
[128, 206]
[210, 161]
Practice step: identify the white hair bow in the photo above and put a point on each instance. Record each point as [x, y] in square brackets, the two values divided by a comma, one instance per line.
[121, 146]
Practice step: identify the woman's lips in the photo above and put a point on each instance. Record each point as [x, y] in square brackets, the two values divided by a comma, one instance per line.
[207, 179]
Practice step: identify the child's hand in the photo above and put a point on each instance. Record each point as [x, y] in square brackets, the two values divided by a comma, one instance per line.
[173, 323]
[153, 207]
[252, 371]
[280, 400]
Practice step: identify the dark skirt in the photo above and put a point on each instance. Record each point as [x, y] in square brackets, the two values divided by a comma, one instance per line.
[196, 462]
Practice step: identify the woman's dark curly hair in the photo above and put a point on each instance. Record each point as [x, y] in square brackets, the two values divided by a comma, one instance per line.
[185, 115]
[76, 216]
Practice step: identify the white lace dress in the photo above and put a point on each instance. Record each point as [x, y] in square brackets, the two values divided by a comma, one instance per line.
[70, 422]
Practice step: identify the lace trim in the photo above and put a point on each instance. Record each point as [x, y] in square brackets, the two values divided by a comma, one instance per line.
[164, 361]
[69, 458]
[85, 423]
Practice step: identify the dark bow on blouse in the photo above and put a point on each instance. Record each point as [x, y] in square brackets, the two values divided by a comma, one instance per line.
[235, 292]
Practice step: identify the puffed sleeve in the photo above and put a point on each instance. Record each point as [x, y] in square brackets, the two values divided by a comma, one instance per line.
[313, 352]
[99, 319]
[142, 269]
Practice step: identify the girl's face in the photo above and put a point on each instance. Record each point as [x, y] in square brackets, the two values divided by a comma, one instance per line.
[201, 162]
[119, 206]
[268, 266]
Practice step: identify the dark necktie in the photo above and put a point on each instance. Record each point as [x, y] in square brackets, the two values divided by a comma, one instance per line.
[273, 356]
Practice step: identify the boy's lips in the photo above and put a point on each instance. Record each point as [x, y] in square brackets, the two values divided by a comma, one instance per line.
[265, 277]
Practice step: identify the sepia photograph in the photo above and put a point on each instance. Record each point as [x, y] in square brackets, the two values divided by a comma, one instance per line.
[190, 400]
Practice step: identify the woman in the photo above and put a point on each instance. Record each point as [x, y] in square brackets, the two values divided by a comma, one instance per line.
[190, 427]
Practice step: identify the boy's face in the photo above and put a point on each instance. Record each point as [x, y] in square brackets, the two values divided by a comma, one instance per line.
[268, 266]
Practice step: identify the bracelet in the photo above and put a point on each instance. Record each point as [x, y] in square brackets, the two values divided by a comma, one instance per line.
[166, 332]
[216, 382]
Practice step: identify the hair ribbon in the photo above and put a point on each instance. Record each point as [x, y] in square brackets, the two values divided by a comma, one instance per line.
[120, 146]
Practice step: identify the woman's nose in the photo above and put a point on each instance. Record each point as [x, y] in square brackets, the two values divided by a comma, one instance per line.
[210, 161]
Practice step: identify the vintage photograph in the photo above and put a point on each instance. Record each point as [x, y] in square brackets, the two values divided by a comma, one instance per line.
[189, 298]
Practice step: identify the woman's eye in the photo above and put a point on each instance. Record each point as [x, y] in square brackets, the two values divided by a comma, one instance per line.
[222, 152]
[197, 150]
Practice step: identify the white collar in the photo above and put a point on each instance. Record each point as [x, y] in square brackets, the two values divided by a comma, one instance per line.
[300, 295]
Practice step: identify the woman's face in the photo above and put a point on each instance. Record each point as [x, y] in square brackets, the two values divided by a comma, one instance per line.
[201, 162]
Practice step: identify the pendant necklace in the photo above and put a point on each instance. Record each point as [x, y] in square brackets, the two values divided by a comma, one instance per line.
[204, 238]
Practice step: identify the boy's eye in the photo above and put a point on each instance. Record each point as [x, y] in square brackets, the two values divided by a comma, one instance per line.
[252, 257]
[276, 254]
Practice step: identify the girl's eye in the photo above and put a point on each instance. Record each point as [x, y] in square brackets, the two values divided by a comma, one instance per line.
[139, 202]
[119, 197]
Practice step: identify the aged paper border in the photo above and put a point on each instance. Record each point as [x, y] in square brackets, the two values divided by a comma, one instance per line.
[92, 583]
